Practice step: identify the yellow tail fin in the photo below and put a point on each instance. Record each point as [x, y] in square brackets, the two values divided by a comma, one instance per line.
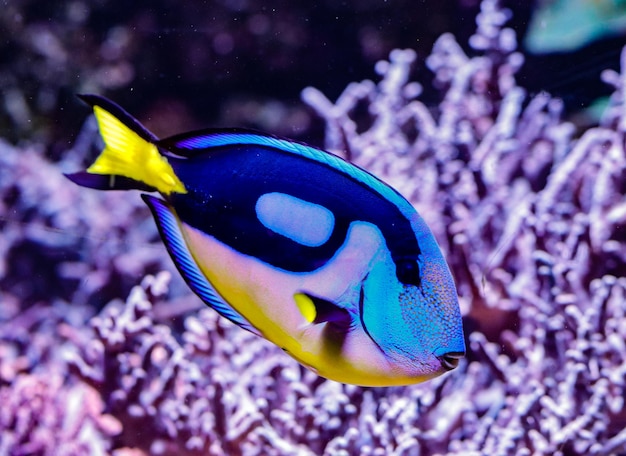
[129, 155]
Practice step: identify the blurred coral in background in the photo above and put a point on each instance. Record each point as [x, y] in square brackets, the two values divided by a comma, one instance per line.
[530, 212]
[193, 64]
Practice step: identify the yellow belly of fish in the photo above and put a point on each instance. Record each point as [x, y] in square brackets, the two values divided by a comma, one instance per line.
[265, 297]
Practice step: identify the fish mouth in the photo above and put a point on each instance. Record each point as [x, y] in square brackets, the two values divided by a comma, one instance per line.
[451, 360]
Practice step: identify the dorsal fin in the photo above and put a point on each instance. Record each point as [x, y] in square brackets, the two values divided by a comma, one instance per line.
[188, 144]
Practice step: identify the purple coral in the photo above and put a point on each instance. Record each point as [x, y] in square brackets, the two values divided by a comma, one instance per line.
[531, 215]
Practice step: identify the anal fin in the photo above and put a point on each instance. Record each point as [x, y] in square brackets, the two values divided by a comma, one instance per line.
[169, 228]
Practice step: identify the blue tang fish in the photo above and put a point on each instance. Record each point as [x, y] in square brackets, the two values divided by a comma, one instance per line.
[293, 244]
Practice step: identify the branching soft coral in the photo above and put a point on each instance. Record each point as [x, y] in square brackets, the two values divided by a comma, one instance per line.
[531, 215]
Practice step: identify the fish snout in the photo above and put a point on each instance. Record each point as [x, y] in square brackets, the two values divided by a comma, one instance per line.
[451, 360]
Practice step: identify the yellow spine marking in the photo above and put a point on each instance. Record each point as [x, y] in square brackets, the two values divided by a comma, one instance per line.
[128, 154]
[306, 306]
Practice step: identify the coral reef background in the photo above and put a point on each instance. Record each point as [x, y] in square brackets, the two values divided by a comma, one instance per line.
[531, 214]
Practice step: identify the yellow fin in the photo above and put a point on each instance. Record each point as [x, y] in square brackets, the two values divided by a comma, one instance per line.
[128, 154]
[306, 306]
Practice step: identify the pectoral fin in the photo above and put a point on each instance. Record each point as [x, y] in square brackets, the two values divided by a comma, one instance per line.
[319, 310]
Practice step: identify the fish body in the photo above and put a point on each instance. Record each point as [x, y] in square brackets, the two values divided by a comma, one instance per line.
[293, 244]
[567, 25]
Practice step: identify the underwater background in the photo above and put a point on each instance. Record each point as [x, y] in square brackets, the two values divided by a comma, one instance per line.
[504, 124]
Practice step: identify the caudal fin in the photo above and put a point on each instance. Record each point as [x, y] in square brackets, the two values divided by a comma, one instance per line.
[130, 158]
[107, 182]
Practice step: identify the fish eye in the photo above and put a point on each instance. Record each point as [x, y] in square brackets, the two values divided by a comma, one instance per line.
[408, 272]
